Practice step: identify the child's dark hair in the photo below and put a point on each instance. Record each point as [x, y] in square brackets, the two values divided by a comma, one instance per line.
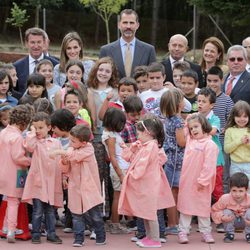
[154, 126]
[133, 104]
[75, 93]
[21, 115]
[192, 74]
[38, 79]
[215, 70]
[183, 66]
[43, 62]
[140, 71]
[239, 180]
[239, 108]
[205, 125]
[3, 75]
[41, 116]
[128, 81]
[207, 92]
[81, 132]
[156, 67]
[43, 105]
[170, 102]
[71, 63]
[114, 120]
[63, 119]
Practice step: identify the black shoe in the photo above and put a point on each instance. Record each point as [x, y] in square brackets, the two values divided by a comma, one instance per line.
[247, 238]
[230, 237]
[55, 240]
[36, 240]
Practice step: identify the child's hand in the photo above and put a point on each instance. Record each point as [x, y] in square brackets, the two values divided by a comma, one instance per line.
[65, 159]
[110, 95]
[65, 184]
[123, 145]
[227, 218]
[245, 139]
[169, 85]
[32, 129]
[134, 146]
[200, 187]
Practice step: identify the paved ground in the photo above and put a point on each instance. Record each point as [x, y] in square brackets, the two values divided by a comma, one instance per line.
[122, 242]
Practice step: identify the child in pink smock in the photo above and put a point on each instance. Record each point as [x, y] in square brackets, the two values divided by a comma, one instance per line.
[233, 209]
[84, 189]
[43, 187]
[14, 163]
[145, 188]
[197, 179]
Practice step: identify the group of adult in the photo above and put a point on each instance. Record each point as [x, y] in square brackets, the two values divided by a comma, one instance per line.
[128, 52]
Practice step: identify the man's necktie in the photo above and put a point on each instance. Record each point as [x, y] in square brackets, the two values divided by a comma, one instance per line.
[230, 86]
[128, 60]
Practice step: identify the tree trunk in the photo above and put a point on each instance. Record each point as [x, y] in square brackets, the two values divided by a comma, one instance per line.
[38, 7]
[107, 30]
[97, 29]
[21, 37]
[154, 21]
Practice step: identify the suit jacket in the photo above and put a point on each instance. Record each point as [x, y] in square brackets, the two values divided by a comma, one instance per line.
[169, 72]
[144, 54]
[22, 70]
[241, 90]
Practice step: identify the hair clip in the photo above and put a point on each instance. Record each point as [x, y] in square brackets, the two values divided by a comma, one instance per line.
[74, 84]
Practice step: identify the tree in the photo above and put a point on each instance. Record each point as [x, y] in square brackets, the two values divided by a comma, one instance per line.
[39, 4]
[237, 12]
[105, 9]
[18, 18]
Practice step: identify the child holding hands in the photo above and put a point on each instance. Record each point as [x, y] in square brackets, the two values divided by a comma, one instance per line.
[84, 189]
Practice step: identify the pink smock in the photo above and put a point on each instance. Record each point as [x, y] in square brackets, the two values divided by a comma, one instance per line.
[199, 166]
[44, 181]
[84, 188]
[145, 188]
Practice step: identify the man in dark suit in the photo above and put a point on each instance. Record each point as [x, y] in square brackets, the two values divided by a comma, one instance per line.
[34, 41]
[178, 46]
[142, 53]
[237, 82]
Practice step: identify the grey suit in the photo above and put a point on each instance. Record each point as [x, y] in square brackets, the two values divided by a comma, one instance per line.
[241, 90]
[144, 54]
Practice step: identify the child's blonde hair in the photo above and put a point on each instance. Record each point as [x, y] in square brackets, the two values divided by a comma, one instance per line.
[170, 102]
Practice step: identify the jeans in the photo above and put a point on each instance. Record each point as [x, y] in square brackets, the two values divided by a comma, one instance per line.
[161, 221]
[40, 208]
[97, 221]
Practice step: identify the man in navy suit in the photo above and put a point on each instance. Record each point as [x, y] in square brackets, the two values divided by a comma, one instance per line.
[35, 42]
[142, 53]
[238, 76]
[178, 46]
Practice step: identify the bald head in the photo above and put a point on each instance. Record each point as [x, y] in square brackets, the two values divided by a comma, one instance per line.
[178, 46]
[246, 45]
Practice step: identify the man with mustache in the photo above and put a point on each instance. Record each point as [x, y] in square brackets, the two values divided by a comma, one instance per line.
[140, 53]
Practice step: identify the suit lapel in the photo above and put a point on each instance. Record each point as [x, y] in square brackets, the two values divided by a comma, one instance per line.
[138, 53]
[26, 66]
[239, 84]
[117, 56]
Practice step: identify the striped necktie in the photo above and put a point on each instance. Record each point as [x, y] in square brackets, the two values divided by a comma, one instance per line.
[128, 60]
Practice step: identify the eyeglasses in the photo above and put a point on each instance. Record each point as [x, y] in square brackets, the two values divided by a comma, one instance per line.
[233, 59]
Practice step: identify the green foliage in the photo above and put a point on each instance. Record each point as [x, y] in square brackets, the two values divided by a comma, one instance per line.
[18, 16]
[237, 12]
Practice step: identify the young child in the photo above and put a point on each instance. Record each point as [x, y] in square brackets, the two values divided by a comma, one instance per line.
[189, 83]
[133, 107]
[102, 80]
[5, 88]
[151, 98]
[237, 138]
[146, 158]
[113, 122]
[43, 187]
[126, 87]
[206, 99]
[171, 104]
[141, 77]
[36, 88]
[178, 69]
[222, 108]
[197, 178]
[4, 115]
[233, 209]
[14, 163]
[84, 192]
[45, 68]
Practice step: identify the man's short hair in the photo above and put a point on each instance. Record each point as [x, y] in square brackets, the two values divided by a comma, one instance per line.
[128, 12]
[36, 32]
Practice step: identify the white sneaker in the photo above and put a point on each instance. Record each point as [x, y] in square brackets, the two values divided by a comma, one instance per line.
[68, 230]
[11, 237]
[92, 236]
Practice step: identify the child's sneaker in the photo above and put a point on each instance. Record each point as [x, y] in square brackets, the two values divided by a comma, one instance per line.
[247, 236]
[11, 237]
[220, 228]
[148, 243]
[68, 230]
[172, 230]
[163, 238]
[77, 243]
[138, 236]
[117, 228]
[182, 237]
[54, 240]
[229, 238]
[208, 238]
[36, 240]
[92, 236]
